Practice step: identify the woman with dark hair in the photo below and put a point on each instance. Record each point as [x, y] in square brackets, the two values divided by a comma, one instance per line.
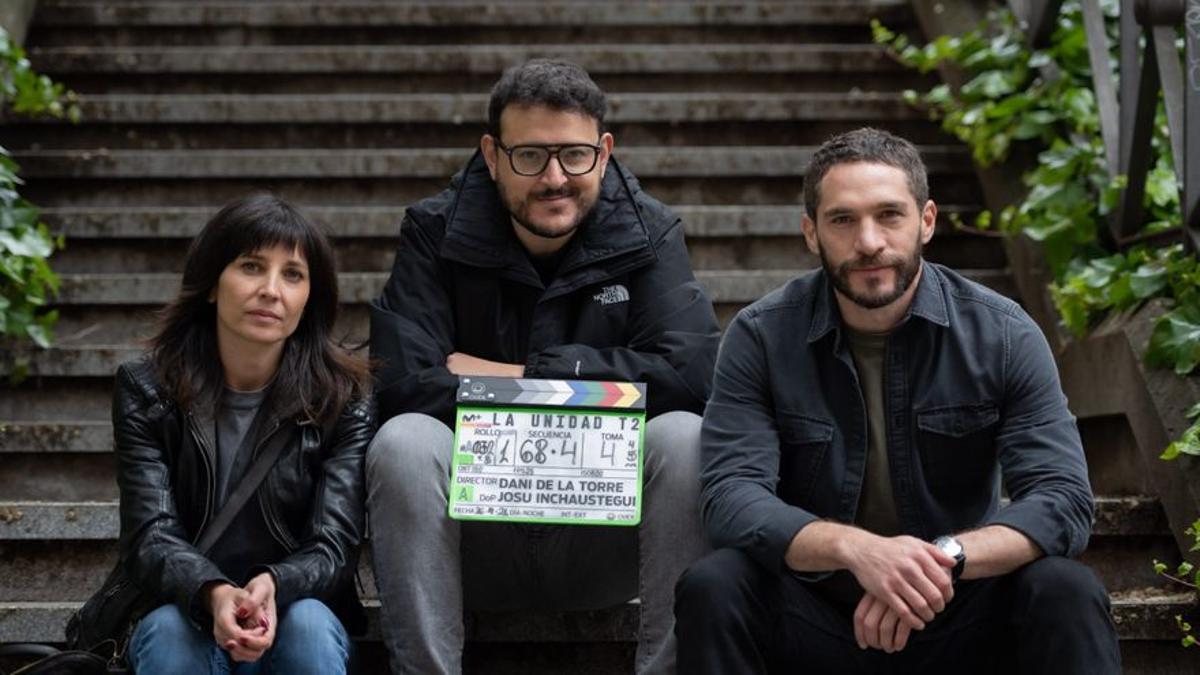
[244, 360]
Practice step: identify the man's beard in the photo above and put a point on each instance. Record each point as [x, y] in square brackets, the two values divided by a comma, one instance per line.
[520, 211]
[906, 270]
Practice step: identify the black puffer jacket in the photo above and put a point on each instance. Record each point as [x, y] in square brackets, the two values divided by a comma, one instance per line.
[311, 501]
[623, 305]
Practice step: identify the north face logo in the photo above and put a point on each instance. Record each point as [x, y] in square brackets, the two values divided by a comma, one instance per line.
[611, 295]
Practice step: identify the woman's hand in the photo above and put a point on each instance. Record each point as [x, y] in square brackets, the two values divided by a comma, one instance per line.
[224, 602]
[257, 612]
[244, 618]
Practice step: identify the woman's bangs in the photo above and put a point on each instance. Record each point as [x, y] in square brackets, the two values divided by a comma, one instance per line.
[280, 227]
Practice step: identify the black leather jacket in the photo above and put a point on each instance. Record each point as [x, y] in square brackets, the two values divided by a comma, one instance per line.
[311, 500]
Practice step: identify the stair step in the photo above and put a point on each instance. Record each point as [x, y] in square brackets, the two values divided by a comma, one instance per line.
[472, 108]
[597, 59]
[41, 521]
[957, 185]
[1125, 562]
[68, 569]
[58, 400]
[1149, 614]
[212, 14]
[352, 221]
[616, 624]
[348, 23]
[55, 437]
[398, 164]
[1128, 516]
[97, 520]
[723, 286]
[771, 246]
[1144, 615]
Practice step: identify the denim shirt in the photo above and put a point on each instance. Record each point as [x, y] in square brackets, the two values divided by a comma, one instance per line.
[972, 397]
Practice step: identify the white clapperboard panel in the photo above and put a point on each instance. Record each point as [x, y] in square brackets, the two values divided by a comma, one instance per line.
[548, 451]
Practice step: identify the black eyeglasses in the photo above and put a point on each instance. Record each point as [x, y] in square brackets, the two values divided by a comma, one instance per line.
[531, 160]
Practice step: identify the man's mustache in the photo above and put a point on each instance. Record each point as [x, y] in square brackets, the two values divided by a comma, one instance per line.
[555, 192]
[872, 262]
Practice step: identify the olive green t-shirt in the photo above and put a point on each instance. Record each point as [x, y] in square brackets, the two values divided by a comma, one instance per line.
[876, 503]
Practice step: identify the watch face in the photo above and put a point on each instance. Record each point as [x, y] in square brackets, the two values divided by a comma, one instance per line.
[949, 546]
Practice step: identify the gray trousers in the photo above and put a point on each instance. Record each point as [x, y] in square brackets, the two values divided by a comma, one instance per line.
[427, 565]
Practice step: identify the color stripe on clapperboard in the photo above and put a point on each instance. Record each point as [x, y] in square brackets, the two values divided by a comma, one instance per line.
[577, 393]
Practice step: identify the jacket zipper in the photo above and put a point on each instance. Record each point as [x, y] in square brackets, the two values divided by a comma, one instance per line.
[266, 504]
[206, 454]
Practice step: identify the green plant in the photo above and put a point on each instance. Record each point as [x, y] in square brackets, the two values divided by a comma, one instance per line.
[1188, 444]
[1043, 99]
[26, 280]
[1186, 575]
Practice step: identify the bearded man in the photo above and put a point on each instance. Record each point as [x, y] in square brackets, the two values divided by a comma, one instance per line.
[863, 420]
[543, 259]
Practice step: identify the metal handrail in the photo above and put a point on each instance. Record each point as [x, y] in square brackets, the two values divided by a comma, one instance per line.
[1126, 126]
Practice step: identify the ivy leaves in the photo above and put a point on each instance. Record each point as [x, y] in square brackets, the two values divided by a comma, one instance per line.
[1014, 95]
[1069, 192]
[999, 104]
[1188, 444]
[25, 91]
[1182, 575]
[1175, 342]
[1121, 281]
[26, 280]
[1124, 280]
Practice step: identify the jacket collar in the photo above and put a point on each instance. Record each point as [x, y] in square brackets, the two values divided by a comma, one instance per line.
[929, 303]
[479, 231]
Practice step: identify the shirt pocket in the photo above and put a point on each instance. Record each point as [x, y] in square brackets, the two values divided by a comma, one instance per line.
[803, 443]
[957, 447]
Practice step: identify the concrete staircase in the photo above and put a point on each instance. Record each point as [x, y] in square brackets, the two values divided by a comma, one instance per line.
[356, 108]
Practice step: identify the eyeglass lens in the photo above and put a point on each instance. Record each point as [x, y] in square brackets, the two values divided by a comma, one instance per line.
[531, 160]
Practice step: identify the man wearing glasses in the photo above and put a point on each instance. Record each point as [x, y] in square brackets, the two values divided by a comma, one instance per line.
[544, 259]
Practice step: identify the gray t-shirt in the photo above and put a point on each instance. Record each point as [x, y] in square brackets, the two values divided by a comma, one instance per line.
[234, 415]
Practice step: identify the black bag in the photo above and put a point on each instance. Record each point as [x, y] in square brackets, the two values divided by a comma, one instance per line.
[109, 615]
[51, 661]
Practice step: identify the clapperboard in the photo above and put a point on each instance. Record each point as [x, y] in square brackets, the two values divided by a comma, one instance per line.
[548, 451]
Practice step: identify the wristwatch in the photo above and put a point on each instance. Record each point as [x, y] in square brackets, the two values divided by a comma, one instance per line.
[953, 548]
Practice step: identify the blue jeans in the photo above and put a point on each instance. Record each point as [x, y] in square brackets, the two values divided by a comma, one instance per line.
[309, 639]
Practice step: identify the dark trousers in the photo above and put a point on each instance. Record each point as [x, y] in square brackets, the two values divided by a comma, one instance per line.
[734, 617]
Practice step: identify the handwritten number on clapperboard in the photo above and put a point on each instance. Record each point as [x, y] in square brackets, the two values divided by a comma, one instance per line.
[572, 452]
[608, 451]
[483, 450]
[504, 452]
[537, 454]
